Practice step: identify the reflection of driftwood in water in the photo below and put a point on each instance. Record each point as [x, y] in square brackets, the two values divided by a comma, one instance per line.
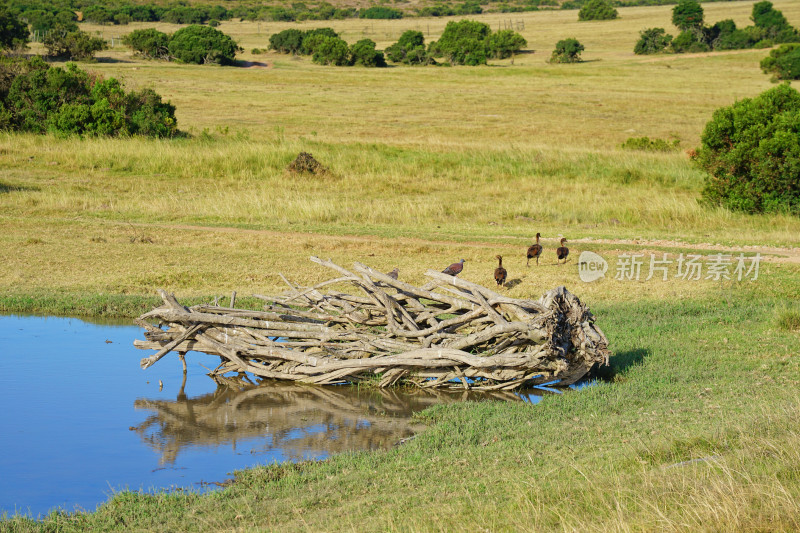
[450, 333]
[293, 418]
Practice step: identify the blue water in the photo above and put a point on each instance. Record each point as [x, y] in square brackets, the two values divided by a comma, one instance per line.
[68, 390]
[81, 420]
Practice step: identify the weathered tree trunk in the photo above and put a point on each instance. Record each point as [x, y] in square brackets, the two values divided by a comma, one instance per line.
[449, 334]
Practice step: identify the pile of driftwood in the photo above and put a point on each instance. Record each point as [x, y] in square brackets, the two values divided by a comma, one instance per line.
[449, 333]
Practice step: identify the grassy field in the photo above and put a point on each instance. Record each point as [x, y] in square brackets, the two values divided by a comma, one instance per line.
[695, 426]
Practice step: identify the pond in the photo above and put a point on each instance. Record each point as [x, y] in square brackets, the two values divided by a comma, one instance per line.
[83, 420]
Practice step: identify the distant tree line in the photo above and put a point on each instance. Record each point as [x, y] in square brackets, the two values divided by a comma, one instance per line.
[769, 27]
[462, 43]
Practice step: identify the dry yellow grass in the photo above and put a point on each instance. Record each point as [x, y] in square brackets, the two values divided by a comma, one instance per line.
[428, 164]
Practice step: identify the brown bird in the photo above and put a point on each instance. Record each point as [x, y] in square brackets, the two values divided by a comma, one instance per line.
[500, 273]
[562, 251]
[454, 269]
[393, 274]
[534, 250]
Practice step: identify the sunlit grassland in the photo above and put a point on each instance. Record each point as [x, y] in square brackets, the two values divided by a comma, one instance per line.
[427, 165]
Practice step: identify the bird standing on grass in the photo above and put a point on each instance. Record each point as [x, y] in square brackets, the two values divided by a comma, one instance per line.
[562, 251]
[454, 269]
[394, 273]
[534, 250]
[500, 273]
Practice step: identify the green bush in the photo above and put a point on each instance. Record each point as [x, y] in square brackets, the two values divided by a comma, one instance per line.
[75, 45]
[149, 43]
[409, 49]
[751, 153]
[201, 44]
[363, 53]
[505, 43]
[379, 12]
[37, 98]
[287, 42]
[650, 145]
[652, 41]
[330, 51]
[597, 10]
[567, 51]
[463, 43]
[783, 62]
[688, 41]
[312, 37]
[13, 32]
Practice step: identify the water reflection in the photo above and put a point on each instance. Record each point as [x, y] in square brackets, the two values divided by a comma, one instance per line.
[300, 420]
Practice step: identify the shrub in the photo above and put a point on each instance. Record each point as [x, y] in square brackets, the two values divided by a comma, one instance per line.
[330, 51]
[287, 42]
[409, 49]
[13, 32]
[783, 62]
[312, 37]
[76, 45]
[687, 15]
[688, 41]
[751, 152]
[505, 43]
[652, 41]
[201, 44]
[567, 51]
[41, 98]
[149, 43]
[379, 12]
[363, 53]
[650, 145]
[597, 10]
[464, 43]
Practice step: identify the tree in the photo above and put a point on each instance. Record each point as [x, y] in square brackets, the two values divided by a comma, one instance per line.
[652, 41]
[13, 32]
[597, 10]
[688, 15]
[783, 62]
[774, 24]
[751, 153]
[505, 43]
[567, 51]
[363, 53]
[464, 43]
[74, 45]
[409, 49]
[201, 44]
[149, 43]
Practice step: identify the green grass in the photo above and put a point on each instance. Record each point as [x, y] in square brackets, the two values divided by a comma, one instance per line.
[696, 430]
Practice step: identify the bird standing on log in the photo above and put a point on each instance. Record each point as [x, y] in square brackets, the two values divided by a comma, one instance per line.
[534, 250]
[562, 251]
[500, 273]
[394, 273]
[454, 269]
